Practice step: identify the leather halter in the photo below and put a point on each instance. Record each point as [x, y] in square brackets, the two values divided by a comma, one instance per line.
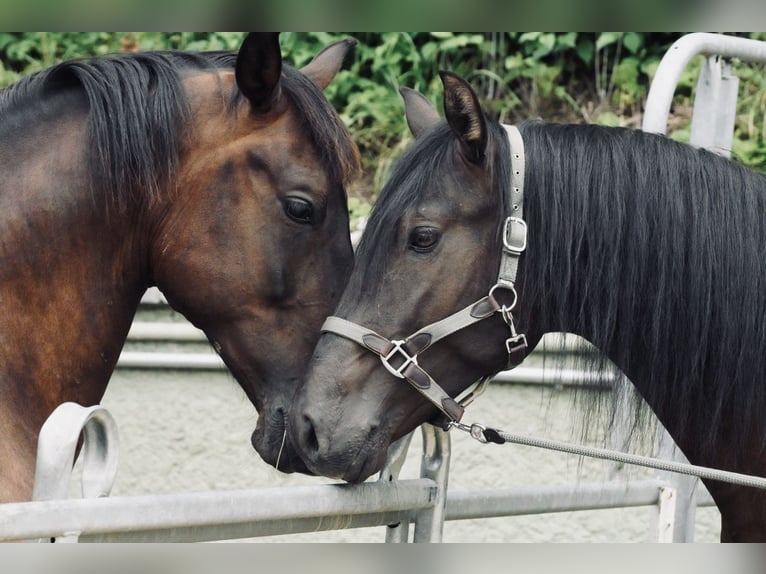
[400, 357]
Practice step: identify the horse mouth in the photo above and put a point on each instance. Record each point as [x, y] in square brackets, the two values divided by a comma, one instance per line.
[358, 475]
[368, 461]
[271, 441]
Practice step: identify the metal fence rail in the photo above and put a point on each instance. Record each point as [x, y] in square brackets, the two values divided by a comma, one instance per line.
[218, 515]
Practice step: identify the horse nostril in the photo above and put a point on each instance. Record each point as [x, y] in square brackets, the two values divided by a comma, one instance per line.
[310, 437]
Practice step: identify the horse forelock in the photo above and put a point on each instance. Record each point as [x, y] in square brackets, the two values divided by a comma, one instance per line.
[653, 251]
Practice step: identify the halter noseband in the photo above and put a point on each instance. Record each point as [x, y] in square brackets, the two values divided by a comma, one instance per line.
[400, 356]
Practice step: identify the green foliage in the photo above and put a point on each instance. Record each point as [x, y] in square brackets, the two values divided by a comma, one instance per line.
[599, 77]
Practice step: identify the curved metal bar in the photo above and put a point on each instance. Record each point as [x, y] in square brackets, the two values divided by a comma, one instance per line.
[675, 61]
[57, 445]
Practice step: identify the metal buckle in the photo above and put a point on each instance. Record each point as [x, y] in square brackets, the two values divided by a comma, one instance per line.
[508, 235]
[516, 343]
[397, 372]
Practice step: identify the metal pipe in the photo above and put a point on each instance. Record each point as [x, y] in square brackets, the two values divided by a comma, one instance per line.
[676, 59]
[463, 505]
[180, 331]
[189, 511]
[553, 375]
[429, 523]
[210, 361]
[190, 361]
[251, 529]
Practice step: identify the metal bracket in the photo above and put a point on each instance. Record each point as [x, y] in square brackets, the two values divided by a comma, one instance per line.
[398, 350]
[515, 235]
[56, 448]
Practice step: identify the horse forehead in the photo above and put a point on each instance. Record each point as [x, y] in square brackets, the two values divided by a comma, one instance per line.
[216, 113]
[448, 195]
[277, 140]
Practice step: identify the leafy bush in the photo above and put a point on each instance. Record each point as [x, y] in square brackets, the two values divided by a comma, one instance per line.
[560, 76]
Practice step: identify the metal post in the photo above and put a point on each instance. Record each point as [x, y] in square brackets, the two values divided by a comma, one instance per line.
[429, 523]
[56, 448]
[666, 514]
[397, 453]
[715, 108]
[684, 492]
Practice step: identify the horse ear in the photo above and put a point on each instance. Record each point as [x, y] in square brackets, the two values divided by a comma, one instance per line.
[464, 115]
[420, 112]
[322, 69]
[258, 69]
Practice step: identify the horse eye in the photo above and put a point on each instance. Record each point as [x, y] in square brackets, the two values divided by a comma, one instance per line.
[424, 239]
[298, 209]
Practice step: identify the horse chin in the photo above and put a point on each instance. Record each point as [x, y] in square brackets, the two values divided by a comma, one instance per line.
[361, 470]
[270, 440]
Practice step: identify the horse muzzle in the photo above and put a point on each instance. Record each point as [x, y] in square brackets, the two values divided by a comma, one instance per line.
[271, 441]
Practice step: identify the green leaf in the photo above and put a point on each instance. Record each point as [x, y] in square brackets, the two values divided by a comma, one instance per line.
[606, 39]
[545, 45]
[585, 50]
[568, 40]
[528, 37]
[632, 41]
[626, 75]
[608, 119]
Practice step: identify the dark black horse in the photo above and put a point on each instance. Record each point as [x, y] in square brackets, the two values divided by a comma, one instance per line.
[650, 249]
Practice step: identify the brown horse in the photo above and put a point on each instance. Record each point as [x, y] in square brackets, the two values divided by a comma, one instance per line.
[218, 177]
[649, 248]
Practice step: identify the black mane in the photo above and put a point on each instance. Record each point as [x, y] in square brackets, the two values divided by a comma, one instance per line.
[654, 251]
[138, 112]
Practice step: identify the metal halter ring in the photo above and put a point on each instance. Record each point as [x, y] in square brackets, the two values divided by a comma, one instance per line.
[507, 287]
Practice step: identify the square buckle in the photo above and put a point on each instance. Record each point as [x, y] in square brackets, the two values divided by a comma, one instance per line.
[515, 235]
[397, 350]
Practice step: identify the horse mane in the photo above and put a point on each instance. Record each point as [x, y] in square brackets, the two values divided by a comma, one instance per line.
[138, 112]
[653, 250]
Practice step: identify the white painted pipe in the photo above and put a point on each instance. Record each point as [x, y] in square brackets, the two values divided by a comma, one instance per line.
[149, 331]
[676, 59]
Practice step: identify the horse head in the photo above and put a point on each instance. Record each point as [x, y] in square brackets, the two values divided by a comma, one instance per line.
[431, 247]
[254, 247]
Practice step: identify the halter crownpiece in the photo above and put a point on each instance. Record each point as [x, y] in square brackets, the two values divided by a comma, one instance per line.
[400, 357]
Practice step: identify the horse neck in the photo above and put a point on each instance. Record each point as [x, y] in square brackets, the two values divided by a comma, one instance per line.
[71, 276]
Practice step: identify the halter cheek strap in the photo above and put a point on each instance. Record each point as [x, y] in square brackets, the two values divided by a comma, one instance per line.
[400, 356]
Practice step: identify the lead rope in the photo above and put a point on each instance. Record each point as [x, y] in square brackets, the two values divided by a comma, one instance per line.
[486, 435]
